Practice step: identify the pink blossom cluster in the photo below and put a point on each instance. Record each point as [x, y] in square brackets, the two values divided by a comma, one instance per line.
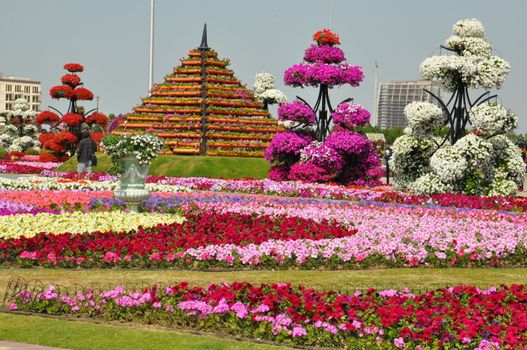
[323, 74]
[350, 115]
[296, 111]
[324, 53]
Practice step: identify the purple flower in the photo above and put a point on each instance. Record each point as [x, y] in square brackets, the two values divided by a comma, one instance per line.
[350, 115]
[322, 156]
[286, 146]
[299, 331]
[349, 143]
[308, 172]
[324, 54]
[279, 172]
[296, 111]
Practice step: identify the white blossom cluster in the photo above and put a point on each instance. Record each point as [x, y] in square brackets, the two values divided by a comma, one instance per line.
[448, 164]
[410, 158]
[424, 117]
[475, 72]
[473, 64]
[473, 165]
[491, 118]
[11, 137]
[265, 89]
[273, 96]
[470, 27]
[262, 82]
[429, 184]
[508, 159]
[469, 46]
[144, 147]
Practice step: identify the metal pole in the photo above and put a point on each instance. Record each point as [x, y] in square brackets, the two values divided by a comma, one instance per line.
[331, 15]
[97, 97]
[151, 68]
[376, 95]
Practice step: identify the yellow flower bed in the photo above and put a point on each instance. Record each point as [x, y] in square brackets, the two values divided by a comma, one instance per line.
[12, 226]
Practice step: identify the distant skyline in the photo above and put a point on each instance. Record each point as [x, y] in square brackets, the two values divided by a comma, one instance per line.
[111, 39]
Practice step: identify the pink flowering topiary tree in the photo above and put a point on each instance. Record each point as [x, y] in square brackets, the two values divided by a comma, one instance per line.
[321, 143]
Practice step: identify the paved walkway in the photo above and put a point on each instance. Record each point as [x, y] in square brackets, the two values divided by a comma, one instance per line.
[6, 345]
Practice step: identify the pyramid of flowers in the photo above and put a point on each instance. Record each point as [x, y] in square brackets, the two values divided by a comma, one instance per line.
[203, 109]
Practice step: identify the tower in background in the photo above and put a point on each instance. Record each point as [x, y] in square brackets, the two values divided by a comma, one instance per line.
[395, 95]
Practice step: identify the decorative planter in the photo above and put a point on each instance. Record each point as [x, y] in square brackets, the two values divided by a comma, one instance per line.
[132, 182]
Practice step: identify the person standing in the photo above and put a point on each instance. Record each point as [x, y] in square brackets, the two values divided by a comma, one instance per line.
[85, 155]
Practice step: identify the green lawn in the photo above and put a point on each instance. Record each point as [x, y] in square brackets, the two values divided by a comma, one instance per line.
[74, 334]
[191, 166]
[379, 278]
[80, 335]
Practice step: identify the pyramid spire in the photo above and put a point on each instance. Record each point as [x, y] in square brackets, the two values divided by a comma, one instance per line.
[203, 109]
[204, 45]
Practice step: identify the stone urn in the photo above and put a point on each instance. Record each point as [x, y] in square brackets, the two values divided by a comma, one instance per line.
[132, 182]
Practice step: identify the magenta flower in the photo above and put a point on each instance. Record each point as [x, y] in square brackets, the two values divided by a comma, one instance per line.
[350, 115]
[296, 111]
[286, 145]
[324, 54]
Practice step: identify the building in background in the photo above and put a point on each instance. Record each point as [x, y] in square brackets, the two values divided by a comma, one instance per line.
[12, 88]
[395, 95]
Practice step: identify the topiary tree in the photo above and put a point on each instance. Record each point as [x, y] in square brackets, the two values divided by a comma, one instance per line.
[66, 130]
[321, 143]
[17, 130]
[483, 161]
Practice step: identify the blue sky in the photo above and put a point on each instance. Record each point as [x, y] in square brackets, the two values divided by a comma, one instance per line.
[110, 38]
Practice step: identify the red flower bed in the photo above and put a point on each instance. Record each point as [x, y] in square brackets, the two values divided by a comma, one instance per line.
[461, 317]
[47, 117]
[97, 118]
[71, 79]
[73, 67]
[200, 229]
[61, 91]
[72, 119]
[83, 94]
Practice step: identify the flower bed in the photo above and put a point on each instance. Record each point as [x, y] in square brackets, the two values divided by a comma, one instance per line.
[163, 245]
[461, 317]
[385, 235]
[50, 183]
[306, 190]
[28, 225]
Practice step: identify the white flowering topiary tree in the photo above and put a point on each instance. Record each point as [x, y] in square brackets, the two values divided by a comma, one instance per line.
[475, 157]
[266, 91]
[18, 132]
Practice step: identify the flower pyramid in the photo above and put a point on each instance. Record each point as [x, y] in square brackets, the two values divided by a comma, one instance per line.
[202, 109]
